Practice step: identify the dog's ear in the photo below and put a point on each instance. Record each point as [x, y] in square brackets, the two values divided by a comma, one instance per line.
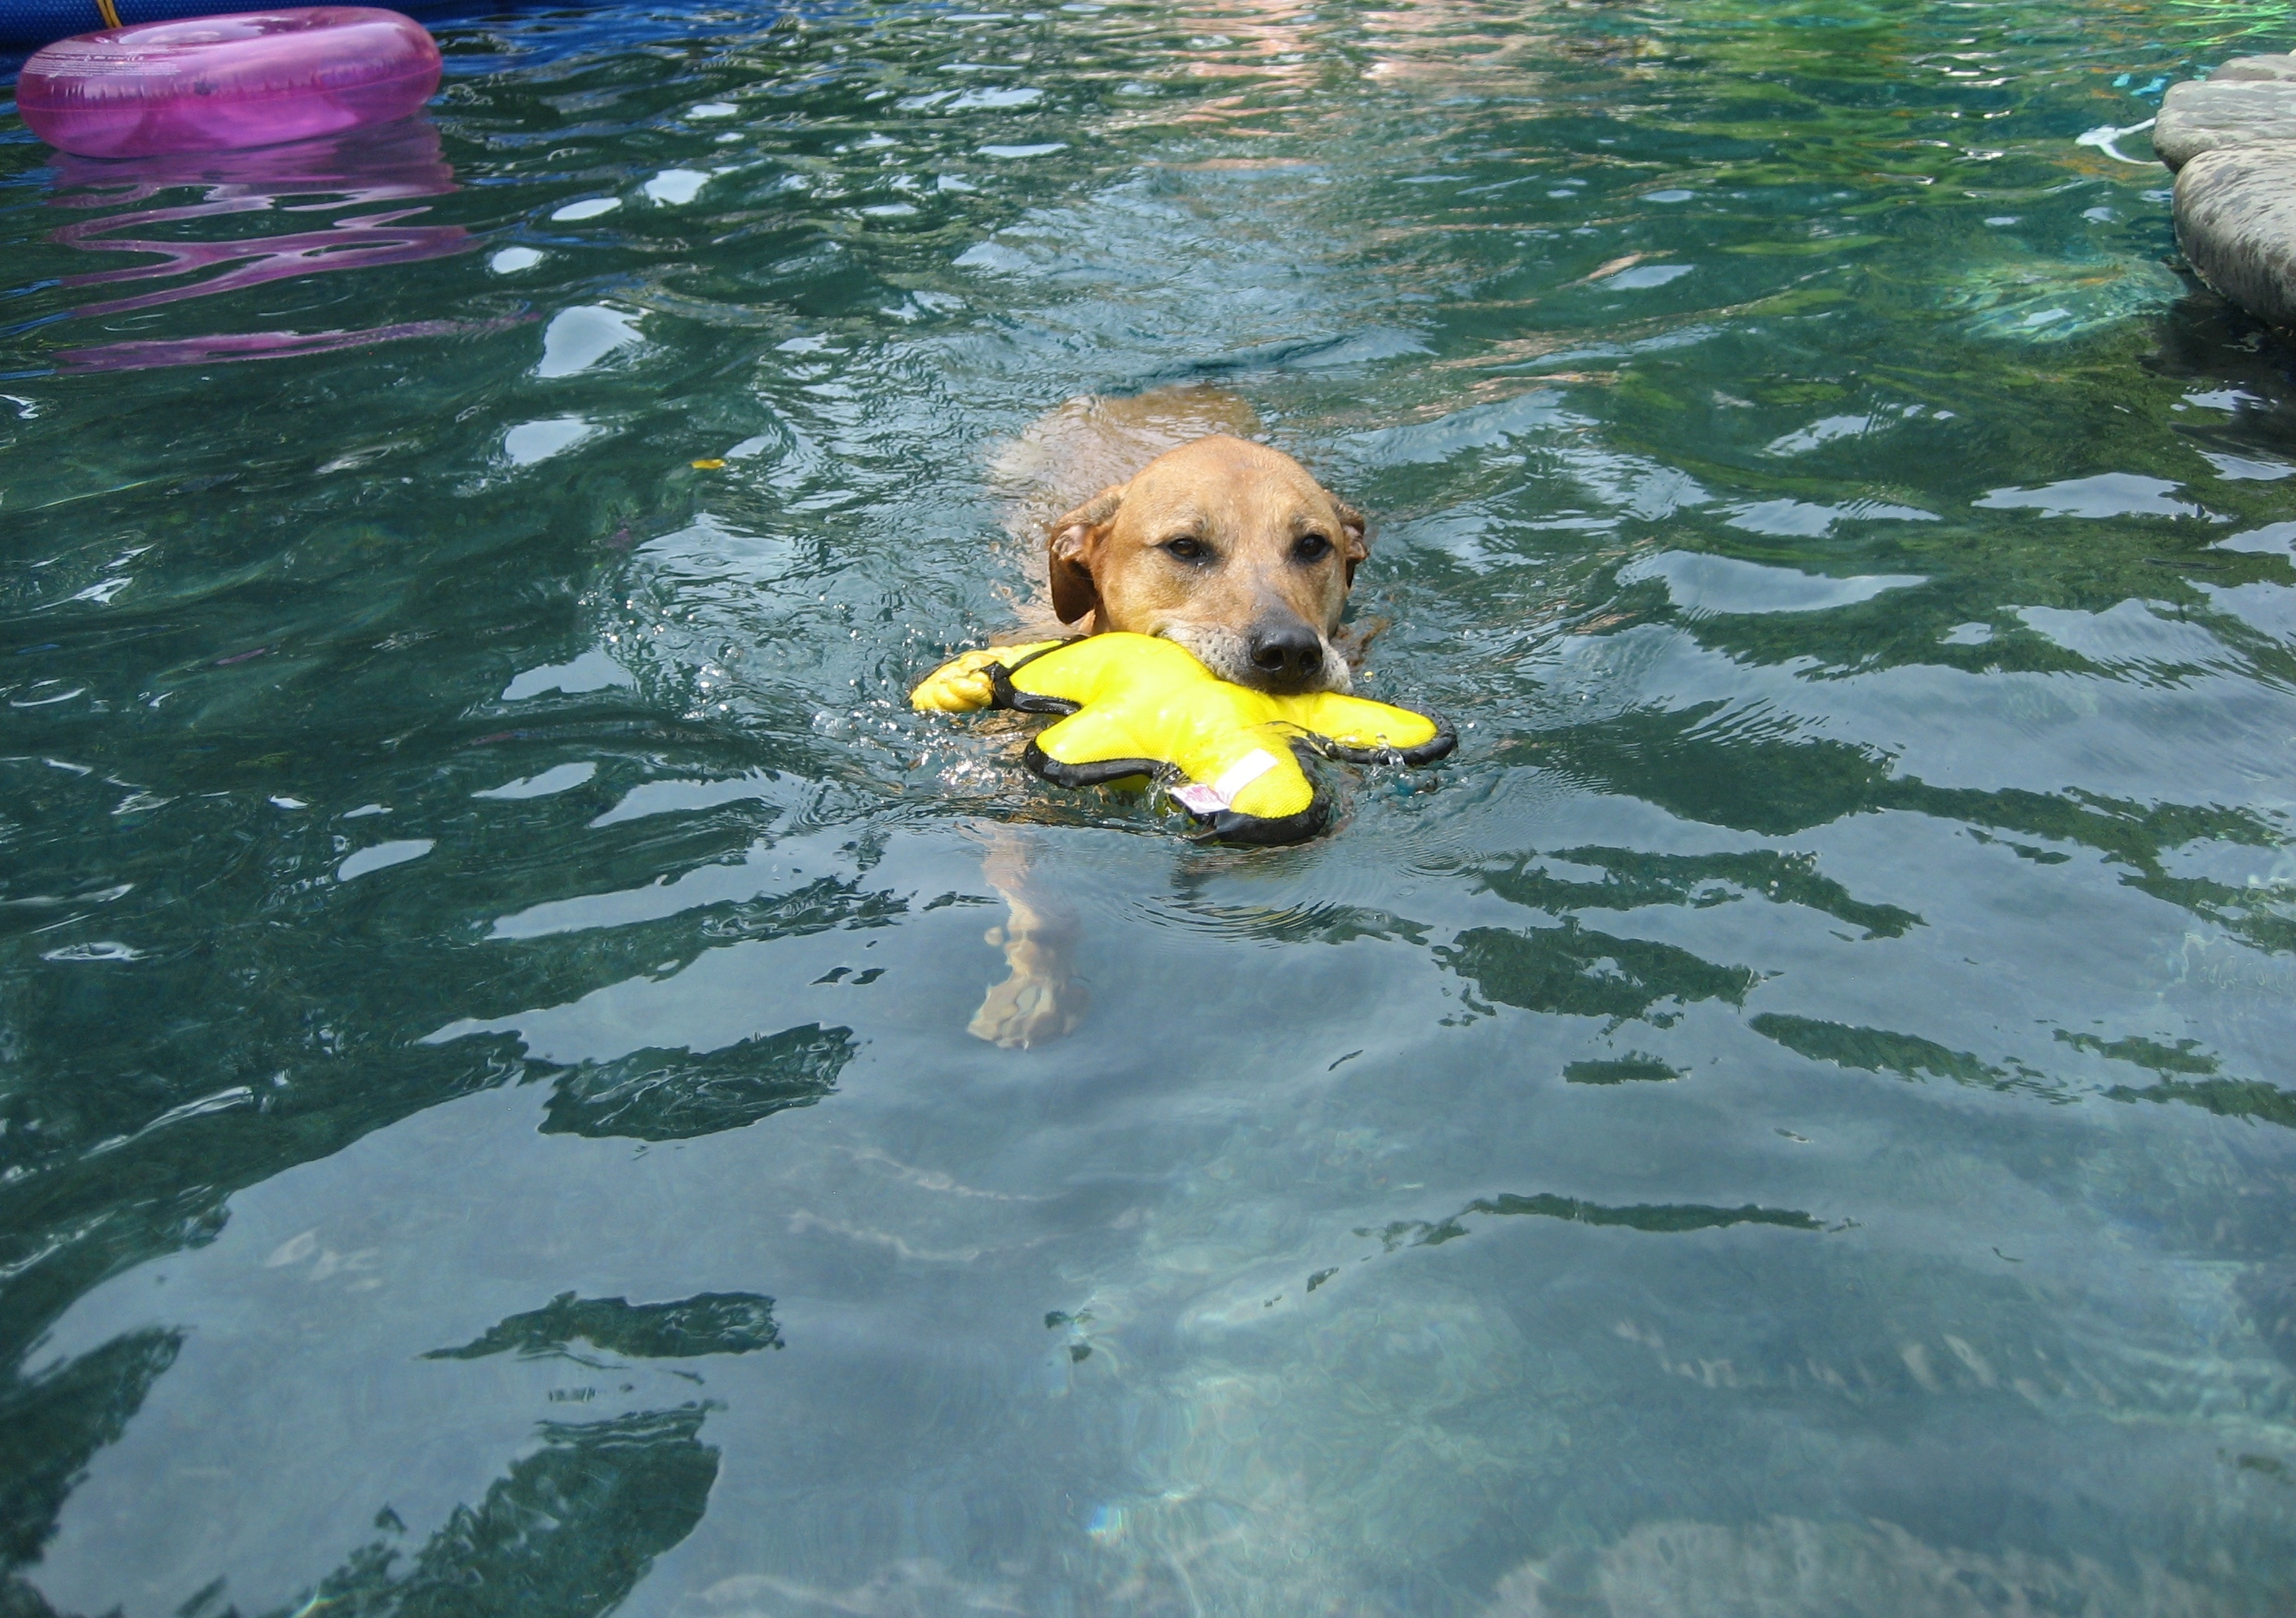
[1358, 533]
[1074, 538]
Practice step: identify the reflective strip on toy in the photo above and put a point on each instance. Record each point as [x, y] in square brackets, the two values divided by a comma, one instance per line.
[1209, 798]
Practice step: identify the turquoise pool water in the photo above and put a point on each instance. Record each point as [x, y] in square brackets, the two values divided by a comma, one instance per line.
[1795, 1118]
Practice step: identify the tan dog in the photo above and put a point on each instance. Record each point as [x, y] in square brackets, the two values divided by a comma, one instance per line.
[1212, 541]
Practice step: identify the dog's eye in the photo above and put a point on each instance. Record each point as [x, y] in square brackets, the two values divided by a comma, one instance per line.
[1186, 548]
[1311, 548]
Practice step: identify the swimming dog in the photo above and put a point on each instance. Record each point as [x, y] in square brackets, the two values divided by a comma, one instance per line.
[1196, 532]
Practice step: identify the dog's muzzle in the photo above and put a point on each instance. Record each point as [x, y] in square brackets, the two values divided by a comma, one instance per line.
[1287, 662]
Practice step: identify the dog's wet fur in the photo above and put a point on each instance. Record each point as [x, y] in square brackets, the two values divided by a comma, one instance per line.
[1199, 534]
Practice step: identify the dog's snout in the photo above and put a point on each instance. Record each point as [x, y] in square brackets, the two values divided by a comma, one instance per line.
[1286, 654]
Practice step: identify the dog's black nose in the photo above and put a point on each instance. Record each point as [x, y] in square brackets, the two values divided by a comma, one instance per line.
[1287, 654]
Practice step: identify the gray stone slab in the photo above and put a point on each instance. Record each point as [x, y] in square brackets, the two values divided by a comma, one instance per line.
[2206, 115]
[2251, 68]
[2236, 222]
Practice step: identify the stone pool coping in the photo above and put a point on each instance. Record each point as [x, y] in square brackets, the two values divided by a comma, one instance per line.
[2230, 139]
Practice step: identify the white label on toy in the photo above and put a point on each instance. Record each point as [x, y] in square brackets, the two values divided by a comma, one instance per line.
[1203, 799]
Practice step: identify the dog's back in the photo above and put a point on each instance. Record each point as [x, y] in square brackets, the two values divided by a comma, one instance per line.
[1068, 455]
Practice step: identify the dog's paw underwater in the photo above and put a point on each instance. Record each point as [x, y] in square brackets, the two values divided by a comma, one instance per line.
[1133, 705]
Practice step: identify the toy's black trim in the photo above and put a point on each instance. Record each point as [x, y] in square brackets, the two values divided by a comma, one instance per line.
[1007, 694]
[1438, 745]
[1097, 773]
[1227, 826]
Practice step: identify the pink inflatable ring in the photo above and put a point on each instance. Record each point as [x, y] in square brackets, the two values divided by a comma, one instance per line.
[206, 84]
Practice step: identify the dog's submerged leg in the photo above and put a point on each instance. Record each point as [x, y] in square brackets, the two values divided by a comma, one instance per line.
[1040, 999]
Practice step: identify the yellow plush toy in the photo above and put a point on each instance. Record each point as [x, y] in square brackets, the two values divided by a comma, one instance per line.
[1135, 706]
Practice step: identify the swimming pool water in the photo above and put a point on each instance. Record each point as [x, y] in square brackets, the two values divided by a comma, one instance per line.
[1795, 1118]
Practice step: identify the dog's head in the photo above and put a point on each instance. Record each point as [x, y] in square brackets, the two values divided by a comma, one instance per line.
[1226, 547]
